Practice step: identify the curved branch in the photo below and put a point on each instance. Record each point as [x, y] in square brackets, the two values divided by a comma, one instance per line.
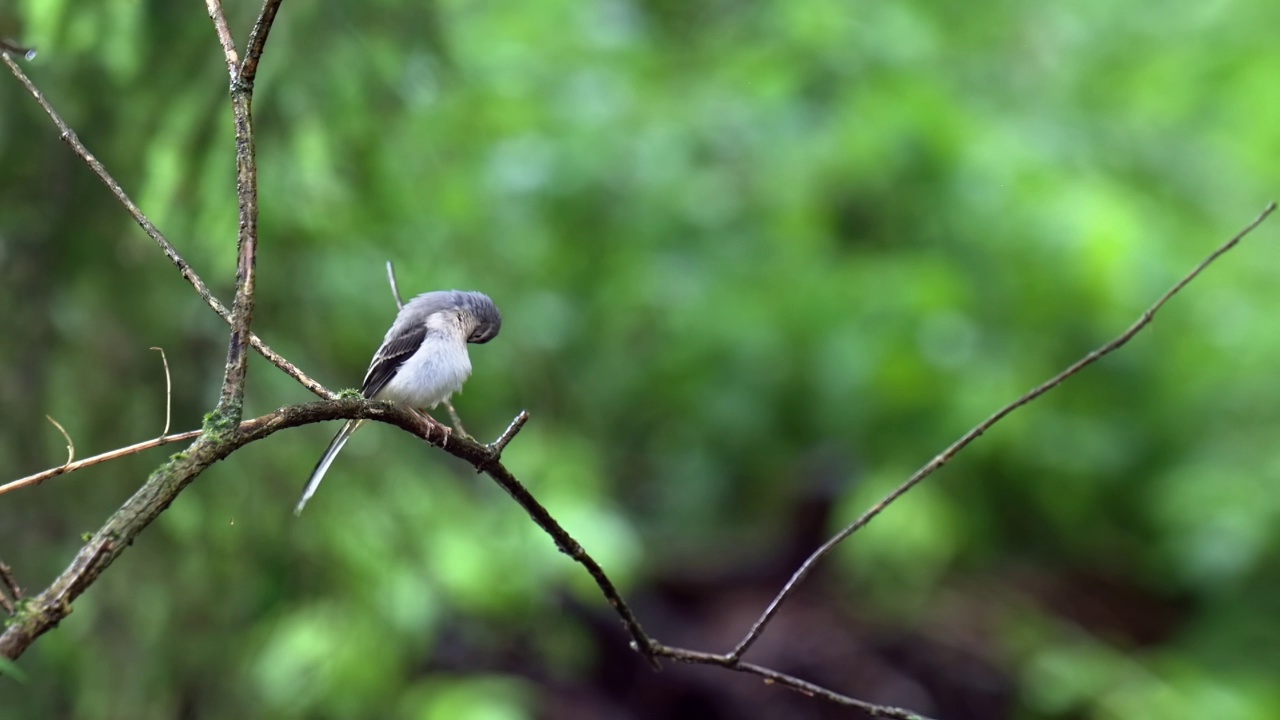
[946, 455]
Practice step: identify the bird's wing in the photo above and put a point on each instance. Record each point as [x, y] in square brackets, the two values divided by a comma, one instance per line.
[394, 351]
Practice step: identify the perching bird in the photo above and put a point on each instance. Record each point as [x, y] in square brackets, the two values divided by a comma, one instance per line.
[423, 360]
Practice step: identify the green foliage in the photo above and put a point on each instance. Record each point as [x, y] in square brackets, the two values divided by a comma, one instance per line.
[10, 669]
[752, 257]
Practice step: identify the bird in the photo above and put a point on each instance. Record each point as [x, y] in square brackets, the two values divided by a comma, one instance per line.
[422, 361]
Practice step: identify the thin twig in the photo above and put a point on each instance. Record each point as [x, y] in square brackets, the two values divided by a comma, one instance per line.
[219, 18]
[71, 446]
[982, 427]
[455, 420]
[10, 601]
[802, 686]
[95, 460]
[497, 446]
[258, 41]
[168, 391]
[395, 287]
[68, 136]
[25, 52]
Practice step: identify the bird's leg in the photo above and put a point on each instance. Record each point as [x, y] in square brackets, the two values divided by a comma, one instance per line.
[432, 423]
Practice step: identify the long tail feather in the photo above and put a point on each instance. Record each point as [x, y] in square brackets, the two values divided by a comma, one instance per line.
[325, 461]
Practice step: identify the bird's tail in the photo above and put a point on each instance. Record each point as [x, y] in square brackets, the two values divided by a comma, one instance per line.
[325, 461]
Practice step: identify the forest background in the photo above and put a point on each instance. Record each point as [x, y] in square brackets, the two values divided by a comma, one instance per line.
[758, 262]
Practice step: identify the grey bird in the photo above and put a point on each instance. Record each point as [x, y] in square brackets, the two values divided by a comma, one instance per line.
[423, 360]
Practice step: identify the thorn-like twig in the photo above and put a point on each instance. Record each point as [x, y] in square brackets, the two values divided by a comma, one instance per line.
[14, 593]
[395, 287]
[946, 455]
[497, 446]
[25, 52]
[71, 446]
[188, 273]
[168, 391]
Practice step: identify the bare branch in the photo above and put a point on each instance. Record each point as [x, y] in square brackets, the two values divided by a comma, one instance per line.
[150, 229]
[54, 603]
[168, 391]
[95, 460]
[71, 446]
[231, 402]
[977, 431]
[563, 540]
[773, 676]
[497, 446]
[219, 19]
[257, 41]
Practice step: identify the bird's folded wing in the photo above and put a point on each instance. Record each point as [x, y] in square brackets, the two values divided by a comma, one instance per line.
[394, 351]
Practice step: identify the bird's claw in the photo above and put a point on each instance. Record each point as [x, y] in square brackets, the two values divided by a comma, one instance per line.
[433, 424]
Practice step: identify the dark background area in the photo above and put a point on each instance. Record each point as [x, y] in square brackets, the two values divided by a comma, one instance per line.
[758, 262]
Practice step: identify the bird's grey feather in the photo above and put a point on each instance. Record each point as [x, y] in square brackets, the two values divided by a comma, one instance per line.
[394, 351]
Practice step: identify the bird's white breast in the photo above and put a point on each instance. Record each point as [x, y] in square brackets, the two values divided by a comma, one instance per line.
[433, 373]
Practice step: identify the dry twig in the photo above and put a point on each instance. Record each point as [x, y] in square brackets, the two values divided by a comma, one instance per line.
[71, 446]
[95, 460]
[168, 391]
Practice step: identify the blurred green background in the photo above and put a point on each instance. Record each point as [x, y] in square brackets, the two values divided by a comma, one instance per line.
[758, 262]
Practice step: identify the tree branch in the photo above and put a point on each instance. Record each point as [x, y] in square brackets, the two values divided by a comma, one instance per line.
[946, 455]
[25, 52]
[258, 41]
[226, 433]
[68, 136]
[231, 402]
[219, 18]
[46, 609]
[9, 585]
[805, 687]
